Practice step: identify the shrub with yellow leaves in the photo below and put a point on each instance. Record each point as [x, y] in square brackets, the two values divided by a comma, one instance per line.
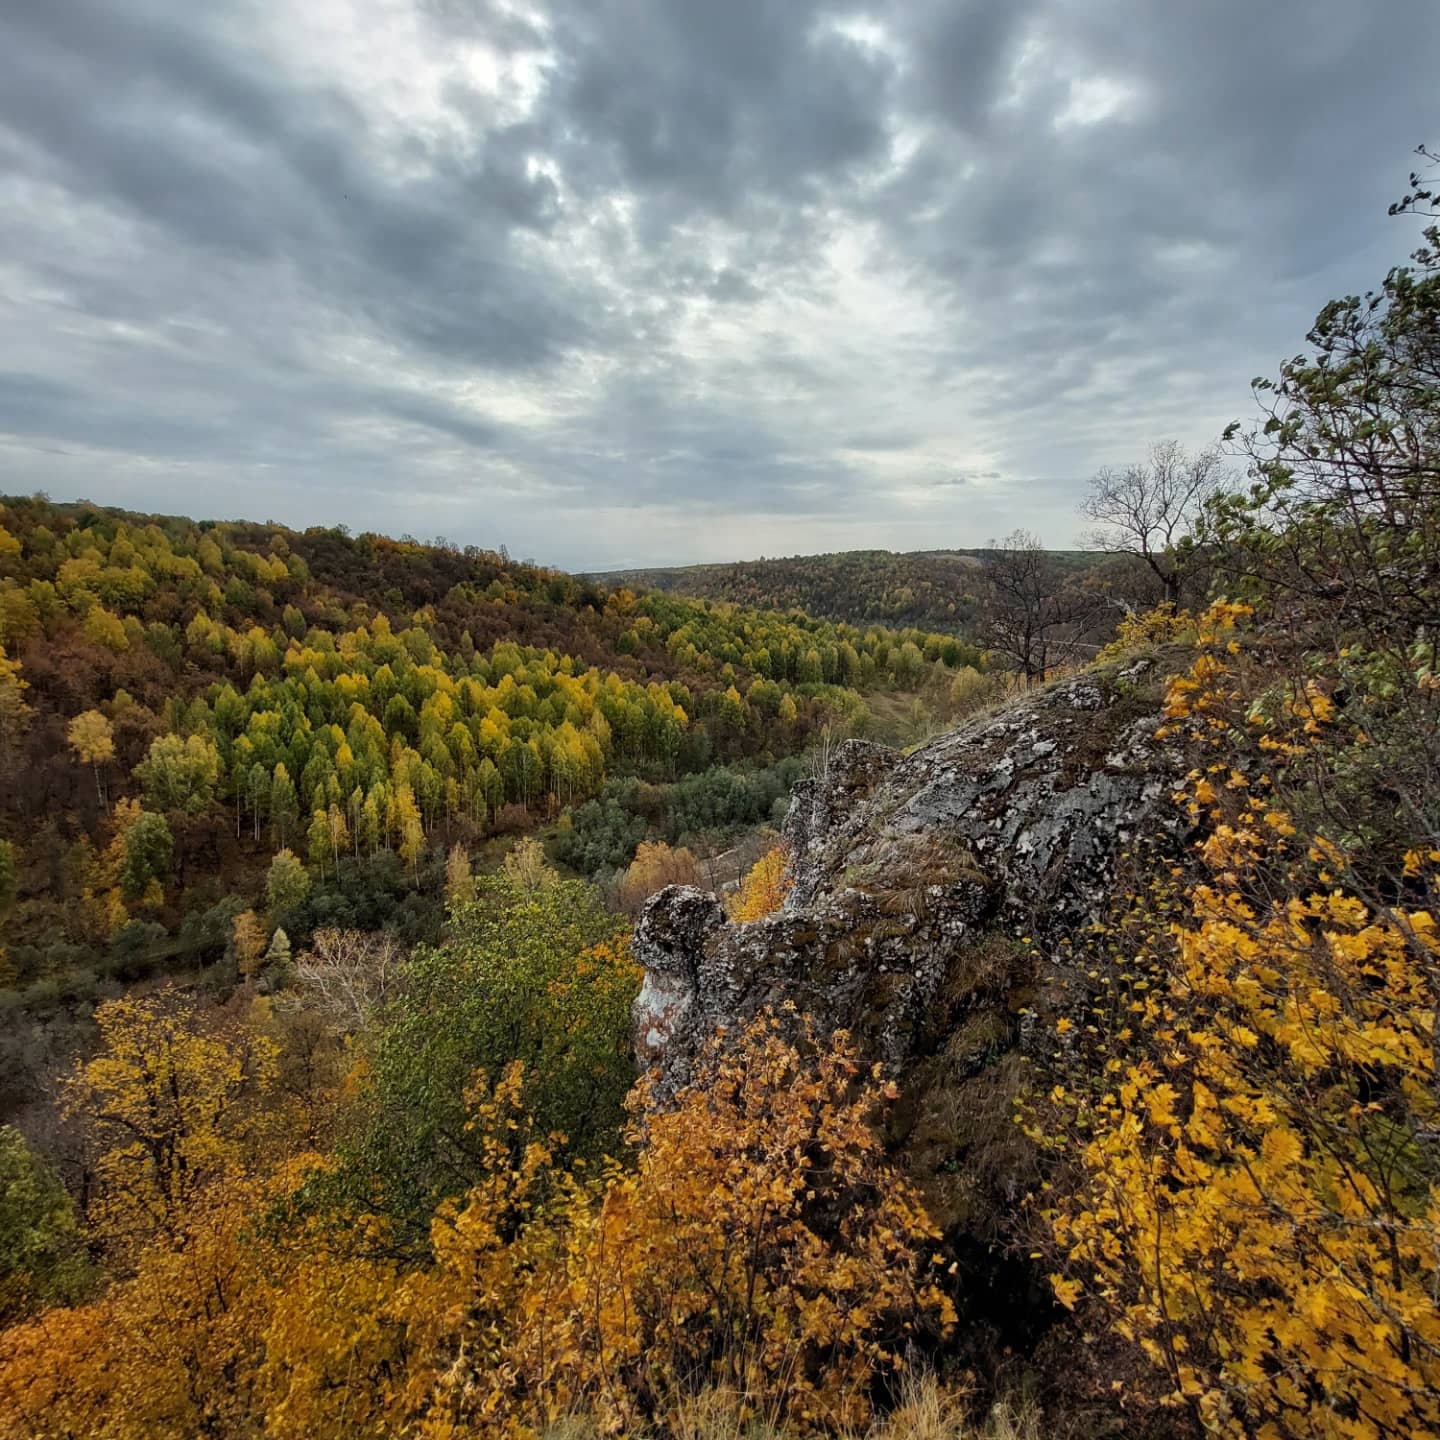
[1258, 1208]
[171, 1105]
[1162, 625]
[761, 1243]
[171, 1351]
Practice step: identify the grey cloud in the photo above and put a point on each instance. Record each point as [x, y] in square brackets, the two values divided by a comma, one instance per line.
[210, 145]
[879, 442]
[710, 105]
[964, 54]
[905, 270]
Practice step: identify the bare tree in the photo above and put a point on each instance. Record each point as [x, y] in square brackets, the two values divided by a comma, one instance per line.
[1150, 509]
[1034, 619]
[350, 973]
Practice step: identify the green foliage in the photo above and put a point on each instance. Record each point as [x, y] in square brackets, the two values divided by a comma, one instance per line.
[278, 955]
[286, 884]
[256, 678]
[1343, 517]
[538, 973]
[1341, 529]
[7, 877]
[380, 894]
[936, 590]
[180, 774]
[149, 849]
[603, 833]
[42, 1256]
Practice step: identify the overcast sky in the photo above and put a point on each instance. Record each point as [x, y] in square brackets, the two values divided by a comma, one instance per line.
[625, 281]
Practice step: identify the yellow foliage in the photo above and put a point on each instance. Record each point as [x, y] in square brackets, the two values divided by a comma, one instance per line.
[336, 1344]
[1163, 625]
[248, 940]
[459, 877]
[760, 1244]
[106, 629]
[527, 867]
[14, 712]
[655, 866]
[92, 738]
[172, 1108]
[171, 1352]
[764, 889]
[1260, 1208]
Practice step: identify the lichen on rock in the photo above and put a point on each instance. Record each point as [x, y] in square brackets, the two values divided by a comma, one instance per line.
[932, 891]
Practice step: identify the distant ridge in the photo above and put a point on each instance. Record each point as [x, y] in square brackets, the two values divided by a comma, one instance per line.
[934, 589]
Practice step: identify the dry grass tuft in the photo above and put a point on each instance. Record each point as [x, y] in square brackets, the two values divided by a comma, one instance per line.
[928, 1411]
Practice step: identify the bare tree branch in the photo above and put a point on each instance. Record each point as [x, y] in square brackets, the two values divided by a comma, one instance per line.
[350, 973]
[1150, 509]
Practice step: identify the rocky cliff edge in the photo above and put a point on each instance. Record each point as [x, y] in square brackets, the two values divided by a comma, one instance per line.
[934, 896]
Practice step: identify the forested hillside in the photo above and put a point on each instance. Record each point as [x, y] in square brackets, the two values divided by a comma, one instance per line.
[197, 719]
[944, 590]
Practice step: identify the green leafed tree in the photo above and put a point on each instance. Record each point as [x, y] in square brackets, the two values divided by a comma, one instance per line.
[286, 885]
[7, 877]
[180, 774]
[278, 953]
[42, 1257]
[318, 844]
[536, 973]
[149, 849]
[284, 804]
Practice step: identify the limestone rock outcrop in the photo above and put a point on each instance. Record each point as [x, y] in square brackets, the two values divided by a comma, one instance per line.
[933, 893]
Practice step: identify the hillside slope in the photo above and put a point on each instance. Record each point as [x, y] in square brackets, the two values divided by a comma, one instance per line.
[181, 701]
[935, 589]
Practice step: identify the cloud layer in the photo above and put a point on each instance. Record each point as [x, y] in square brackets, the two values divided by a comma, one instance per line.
[643, 280]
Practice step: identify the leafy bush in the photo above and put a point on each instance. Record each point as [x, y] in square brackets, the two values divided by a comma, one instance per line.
[42, 1253]
[536, 972]
[603, 834]
[1258, 1206]
[761, 1244]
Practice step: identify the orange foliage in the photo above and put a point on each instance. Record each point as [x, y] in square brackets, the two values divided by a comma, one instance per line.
[759, 1242]
[173, 1351]
[764, 889]
[655, 866]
